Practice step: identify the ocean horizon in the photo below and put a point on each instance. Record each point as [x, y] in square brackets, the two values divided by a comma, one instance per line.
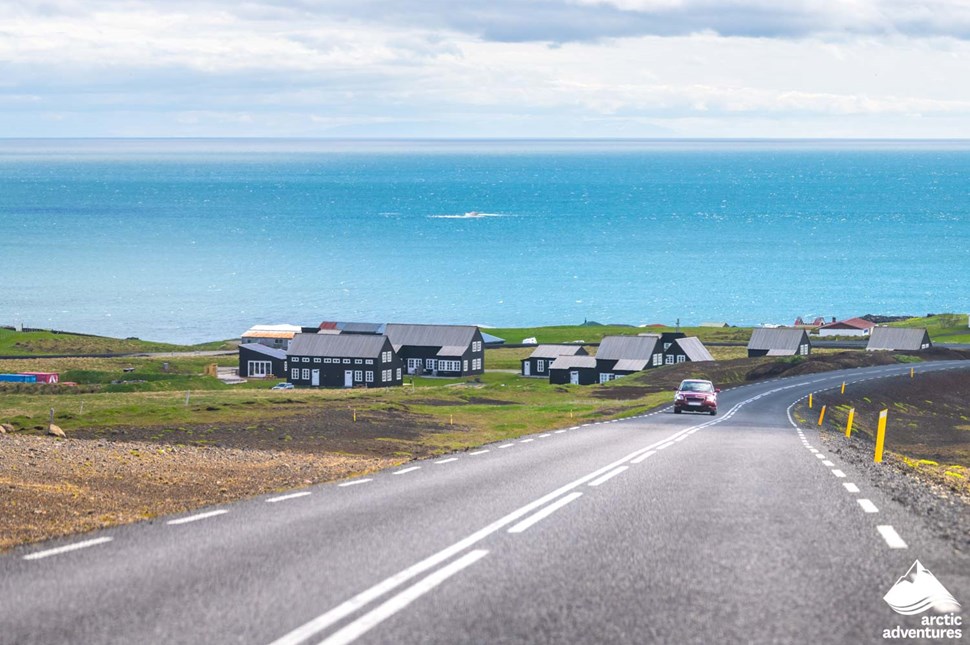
[189, 240]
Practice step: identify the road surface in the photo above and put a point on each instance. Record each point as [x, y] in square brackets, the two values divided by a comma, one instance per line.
[664, 528]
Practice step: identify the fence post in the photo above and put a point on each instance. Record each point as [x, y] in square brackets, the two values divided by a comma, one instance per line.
[809, 399]
[880, 436]
[821, 415]
[848, 423]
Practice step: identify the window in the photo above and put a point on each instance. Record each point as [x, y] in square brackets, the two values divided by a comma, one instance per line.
[604, 378]
[295, 374]
[316, 360]
[358, 361]
[476, 364]
[399, 373]
[346, 361]
[803, 350]
[306, 359]
[260, 368]
[540, 365]
[477, 346]
[658, 360]
[326, 360]
[306, 374]
[430, 363]
[681, 359]
[385, 376]
[414, 363]
[465, 366]
[369, 361]
[667, 346]
[358, 376]
[385, 357]
[669, 360]
[369, 377]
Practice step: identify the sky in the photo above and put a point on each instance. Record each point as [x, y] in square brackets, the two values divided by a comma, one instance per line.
[485, 68]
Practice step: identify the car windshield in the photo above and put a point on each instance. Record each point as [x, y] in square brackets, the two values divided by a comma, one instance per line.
[696, 386]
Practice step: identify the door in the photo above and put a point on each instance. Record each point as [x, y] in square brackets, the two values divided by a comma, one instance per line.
[574, 378]
[527, 368]
[315, 378]
[348, 378]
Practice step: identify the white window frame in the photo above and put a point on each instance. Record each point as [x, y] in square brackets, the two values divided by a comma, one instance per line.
[669, 359]
[316, 360]
[681, 358]
[259, 368]
[658, 360]
[540, 366]
[369, 361]
[295, 374]
[306, 373]
[358, 376]
[464, 365]
[431, 364]
[369, 376]
[346, 361]
[399, 373]
[606, 377]
[358, 361]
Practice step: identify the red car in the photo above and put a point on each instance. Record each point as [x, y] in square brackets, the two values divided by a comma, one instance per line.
[696, 395]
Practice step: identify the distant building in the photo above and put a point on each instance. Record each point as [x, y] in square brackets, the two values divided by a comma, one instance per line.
[577, 370]
[439, 350]
[816, 323]
[259, 361]
[343, 360]
[898, 339]
[686, 350]
[848, 327]
[714, 324]
[779, 342]
[538, 362]
[278, 336]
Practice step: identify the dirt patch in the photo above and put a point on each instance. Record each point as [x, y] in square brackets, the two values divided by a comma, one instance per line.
[52, 487]
[479, 400]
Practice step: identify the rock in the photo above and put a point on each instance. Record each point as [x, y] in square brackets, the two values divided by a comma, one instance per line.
[6, 427]
[55, 431]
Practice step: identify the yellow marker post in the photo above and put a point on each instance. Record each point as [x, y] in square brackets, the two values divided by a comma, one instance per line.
[355, 414]
[848, 423]
[821, 415]
[843, 387]
[881, 436]
[911, 372]
[452, 420]
[809, 399]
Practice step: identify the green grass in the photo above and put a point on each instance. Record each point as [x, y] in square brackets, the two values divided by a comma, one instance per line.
[943, 328]
[35, 343]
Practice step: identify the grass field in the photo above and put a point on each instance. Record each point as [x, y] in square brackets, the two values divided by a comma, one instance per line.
[943, 328]
[32, 343]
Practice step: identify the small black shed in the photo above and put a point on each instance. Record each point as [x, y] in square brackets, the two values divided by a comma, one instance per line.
[577, 370]
[779, 342]
[259, 361]
[538, 362]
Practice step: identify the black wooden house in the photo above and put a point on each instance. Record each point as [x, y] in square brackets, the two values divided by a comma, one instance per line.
[439, 350]
[538, 362]
[343, 360]
[256, 360]
[623, 355]
[689, 349]
[779, 342]
[578, 370]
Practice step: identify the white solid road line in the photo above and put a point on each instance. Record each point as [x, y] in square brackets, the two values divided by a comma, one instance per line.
[867, 506]
[67, 548]
[852, 488]
[545, 512]
[681, 437]
[196, 518]
[643, 456]
[368, 621]
[478, 452]
[891, 537]
[355, 482]
[610, 475]
[406, 470]
[283, 498]
[446, 461]
[666, 445]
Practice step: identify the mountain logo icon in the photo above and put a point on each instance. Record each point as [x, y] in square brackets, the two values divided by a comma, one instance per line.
[918, 591]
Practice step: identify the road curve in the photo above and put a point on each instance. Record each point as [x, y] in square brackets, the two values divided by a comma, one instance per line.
[661, 528]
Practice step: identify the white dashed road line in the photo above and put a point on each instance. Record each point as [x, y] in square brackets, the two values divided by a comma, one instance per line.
[283, 498]
[196, 518]
[852, 488]
[891, 537]
[67, 548]
[827, 463]
[526, 440]
[838, 473]
[506, 445]
[355, 482]
[545, 512]
[446, 461]
[867, 506]
[406, 470]
[478, 452]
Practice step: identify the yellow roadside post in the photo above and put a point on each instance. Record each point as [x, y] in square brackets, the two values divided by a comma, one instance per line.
[843, 387]
[355, 414]
[809, 399]
[821, 415]
[848, 423]
[911, 372]
[880, 436]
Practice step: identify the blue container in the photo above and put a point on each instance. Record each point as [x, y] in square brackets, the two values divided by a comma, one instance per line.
[18, 378]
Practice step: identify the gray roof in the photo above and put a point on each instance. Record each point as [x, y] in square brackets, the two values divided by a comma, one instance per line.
[631, 365]
[620, 347]
[342, 345]
[785, 339]
[430, 335]
[492, 340]
[902, 338]
[263, 349]
[452, 350]
[572, 362]
[361, 327]
[552, 351]
[694, 349]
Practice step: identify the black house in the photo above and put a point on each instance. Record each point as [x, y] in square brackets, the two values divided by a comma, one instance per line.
[686, 350]
[259, 361]
[668, 337]
[622, 355]
[439, 350]
[577, 370]
[338, 360]
[898, 338]
[779, 342]
[538, 362]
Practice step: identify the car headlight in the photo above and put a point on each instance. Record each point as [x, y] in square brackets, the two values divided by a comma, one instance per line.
[679, 397]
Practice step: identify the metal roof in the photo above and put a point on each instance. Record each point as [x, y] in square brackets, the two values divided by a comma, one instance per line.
[694, 349]
[631, 364]
[781, 352]
[902, 338]
[349, 345]
[430, 335]
[452, 350]
[263, 349]
[554, 351]
[787, 339]
[850, 323]
[570, 362]
[492, 340]
[620, 347]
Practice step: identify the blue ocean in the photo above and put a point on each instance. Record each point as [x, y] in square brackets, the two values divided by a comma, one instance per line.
[195, 240]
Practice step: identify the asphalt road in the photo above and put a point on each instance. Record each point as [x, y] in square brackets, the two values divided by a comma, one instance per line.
[667, 528]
